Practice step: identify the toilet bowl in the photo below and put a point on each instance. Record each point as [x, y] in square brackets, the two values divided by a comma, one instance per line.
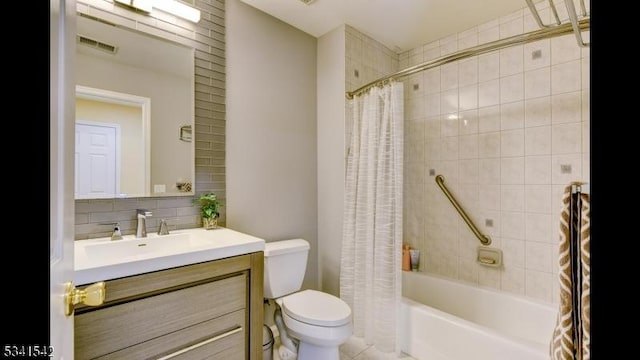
[317, 322]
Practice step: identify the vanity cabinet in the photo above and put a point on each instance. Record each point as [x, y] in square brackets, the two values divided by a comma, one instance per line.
[209, 310]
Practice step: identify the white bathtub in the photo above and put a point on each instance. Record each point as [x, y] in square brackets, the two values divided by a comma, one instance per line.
[444, 319]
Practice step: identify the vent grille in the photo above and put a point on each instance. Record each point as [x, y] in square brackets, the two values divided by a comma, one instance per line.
[83, 40]
[307, 1]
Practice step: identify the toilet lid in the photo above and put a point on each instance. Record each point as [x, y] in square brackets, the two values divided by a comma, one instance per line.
[317, 308]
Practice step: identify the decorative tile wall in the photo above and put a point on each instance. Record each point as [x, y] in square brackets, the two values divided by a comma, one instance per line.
[366, 60]
[508, 130]
[208, 39]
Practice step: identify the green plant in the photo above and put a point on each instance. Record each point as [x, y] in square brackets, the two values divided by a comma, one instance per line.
[210, 206]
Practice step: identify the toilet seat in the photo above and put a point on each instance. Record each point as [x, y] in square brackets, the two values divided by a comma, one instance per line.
[317, 308]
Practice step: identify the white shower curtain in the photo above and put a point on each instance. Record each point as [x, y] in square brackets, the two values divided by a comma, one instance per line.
[370, 274]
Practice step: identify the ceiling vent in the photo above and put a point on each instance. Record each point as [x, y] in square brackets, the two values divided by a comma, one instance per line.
[308, 2]
[108, 48]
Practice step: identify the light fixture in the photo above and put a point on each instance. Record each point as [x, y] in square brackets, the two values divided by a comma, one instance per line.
[174, 7]
[178, 8]
[144, 5]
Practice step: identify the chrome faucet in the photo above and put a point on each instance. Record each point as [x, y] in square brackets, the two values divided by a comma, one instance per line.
[141, 229]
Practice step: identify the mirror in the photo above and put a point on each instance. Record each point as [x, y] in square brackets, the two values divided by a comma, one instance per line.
[134, 114]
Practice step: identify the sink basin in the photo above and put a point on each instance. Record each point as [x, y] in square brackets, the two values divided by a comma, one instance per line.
[103, 259]
[136, 248]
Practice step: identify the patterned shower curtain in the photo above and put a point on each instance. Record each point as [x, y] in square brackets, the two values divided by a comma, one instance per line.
[572, 334]
[370, 274]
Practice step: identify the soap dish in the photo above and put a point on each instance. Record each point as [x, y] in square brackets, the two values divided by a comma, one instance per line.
[489, 256]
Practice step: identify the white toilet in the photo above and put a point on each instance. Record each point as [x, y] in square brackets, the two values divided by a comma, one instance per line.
[318, 322]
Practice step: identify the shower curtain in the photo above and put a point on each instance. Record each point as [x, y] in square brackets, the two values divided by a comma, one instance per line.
[572, 334]
[370, 274]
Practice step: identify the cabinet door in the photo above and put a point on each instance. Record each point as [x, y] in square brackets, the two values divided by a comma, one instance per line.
[113, 328]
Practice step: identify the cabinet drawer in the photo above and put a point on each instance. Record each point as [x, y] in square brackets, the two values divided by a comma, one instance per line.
[143, 285]
[221, 338]
[113, 328]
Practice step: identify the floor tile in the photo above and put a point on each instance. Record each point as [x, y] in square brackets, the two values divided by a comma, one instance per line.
[353, 346]
[374, 354]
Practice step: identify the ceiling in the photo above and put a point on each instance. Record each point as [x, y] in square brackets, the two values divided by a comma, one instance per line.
[134, 48]
[399, 24]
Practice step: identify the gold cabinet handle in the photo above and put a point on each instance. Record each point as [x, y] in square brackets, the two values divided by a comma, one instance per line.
[92, 295]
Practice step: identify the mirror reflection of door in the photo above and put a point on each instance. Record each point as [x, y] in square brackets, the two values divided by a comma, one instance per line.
[97, 160]
[124, 172]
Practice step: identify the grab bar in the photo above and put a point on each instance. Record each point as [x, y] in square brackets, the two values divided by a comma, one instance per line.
[484, 239]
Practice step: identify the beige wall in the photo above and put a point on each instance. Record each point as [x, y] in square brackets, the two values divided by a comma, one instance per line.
[330, 125]
[271, 130]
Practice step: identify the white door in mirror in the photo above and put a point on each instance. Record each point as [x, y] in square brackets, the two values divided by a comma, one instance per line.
[96, 160]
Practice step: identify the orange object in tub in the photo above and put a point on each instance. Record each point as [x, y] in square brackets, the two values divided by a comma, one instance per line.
[406, 258]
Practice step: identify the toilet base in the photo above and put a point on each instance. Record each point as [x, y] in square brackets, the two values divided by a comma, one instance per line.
[308, 351]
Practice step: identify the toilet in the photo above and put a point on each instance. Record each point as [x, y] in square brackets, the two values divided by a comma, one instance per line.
[312, 324]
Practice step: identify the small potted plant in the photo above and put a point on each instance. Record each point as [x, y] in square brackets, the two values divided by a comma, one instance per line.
[209, 209]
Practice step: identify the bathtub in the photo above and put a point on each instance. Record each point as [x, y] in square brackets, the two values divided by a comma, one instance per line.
[443, 319]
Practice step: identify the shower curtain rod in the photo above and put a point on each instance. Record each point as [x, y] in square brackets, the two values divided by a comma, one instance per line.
[548, 32]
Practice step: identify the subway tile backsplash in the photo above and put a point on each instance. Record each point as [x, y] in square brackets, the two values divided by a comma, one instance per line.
[525, 137]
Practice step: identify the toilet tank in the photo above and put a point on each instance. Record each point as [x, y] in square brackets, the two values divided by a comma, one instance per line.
[285, 263]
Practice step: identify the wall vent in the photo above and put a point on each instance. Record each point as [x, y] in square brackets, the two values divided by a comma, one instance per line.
[83, 40]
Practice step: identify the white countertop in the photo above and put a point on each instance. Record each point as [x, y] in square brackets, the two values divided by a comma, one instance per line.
[103, 259]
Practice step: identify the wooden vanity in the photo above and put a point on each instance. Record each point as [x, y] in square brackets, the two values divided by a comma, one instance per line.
[211, 310]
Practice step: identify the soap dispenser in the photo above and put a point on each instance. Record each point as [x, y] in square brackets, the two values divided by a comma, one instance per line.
[163, 229]
[116, 235]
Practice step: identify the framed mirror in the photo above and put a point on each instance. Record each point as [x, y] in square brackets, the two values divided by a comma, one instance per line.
[134, 114]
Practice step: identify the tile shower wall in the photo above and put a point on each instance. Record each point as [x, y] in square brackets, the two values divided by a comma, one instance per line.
[366, 60]
[508, 130]
[208, 39]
